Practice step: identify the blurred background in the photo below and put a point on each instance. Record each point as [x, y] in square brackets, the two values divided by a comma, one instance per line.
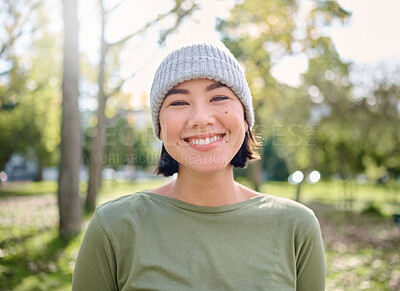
[75, 126]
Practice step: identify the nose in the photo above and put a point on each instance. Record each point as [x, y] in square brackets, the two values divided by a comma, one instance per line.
[201, 116]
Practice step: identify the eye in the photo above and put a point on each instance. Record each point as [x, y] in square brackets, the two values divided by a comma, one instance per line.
[219, 98]
[178, 103]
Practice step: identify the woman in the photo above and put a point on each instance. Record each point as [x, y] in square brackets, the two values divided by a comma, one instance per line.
[202, 230]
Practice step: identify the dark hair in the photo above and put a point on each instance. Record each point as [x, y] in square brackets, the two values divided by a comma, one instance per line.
[167, 165]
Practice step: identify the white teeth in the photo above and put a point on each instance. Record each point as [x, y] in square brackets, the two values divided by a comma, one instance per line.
[205, 141]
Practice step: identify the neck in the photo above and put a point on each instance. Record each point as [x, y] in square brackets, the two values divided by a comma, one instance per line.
[207, 189]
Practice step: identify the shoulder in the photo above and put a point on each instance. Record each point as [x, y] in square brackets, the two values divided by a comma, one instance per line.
[288, 212]
[292, 207]
[123, 209]
[120, 203]
[294, 219]
[281, 207]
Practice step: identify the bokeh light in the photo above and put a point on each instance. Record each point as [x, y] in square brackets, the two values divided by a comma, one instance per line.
[296, 178]
[3, 177]
[313, 177]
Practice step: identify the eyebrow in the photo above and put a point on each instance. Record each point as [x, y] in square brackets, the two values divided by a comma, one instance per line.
[177, 91]
[210, 87]
[215, 86]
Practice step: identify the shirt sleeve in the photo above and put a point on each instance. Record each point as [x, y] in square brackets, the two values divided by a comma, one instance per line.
[95, 268]
[311, 261]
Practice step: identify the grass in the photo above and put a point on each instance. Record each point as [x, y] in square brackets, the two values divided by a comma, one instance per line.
[24, 188]
[361, 240]
[362, 249]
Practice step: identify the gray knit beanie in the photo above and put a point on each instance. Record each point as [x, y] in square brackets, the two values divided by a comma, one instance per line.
[199, 61]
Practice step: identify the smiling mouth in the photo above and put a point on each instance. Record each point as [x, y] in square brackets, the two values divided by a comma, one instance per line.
[204, 141]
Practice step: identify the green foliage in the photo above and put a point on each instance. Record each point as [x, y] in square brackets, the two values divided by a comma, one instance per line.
[324, 123]
[31, 127]
[126, 144]
[273, 165]
[372, 209]
[39, 262]
[259, 34]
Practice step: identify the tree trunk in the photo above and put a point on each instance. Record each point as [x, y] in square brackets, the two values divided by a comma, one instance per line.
[96, 155]
[255, 168]
[39, 174]
[68, 188]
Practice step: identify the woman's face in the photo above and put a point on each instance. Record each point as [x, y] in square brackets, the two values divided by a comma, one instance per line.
[202, 125]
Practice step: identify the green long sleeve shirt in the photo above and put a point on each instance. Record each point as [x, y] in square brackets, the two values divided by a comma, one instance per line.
[147, 241]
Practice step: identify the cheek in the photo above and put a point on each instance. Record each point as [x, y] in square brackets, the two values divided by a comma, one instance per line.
[234, 116]
[169, 124]
[163, 119]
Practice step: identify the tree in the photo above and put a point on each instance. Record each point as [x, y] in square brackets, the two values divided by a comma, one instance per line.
[329, 89]
[260, 34]
[16, 23]
[12, 25]
[340, 120]
[354, 117]
[128, 144]
[180, 10]
[29, 94]
[274, 166]
[68, 190]
[379, 122]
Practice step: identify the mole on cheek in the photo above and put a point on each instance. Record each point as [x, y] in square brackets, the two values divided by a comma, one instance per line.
[226, 112]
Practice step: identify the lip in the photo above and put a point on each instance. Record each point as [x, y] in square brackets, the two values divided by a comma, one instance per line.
[205, 142]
